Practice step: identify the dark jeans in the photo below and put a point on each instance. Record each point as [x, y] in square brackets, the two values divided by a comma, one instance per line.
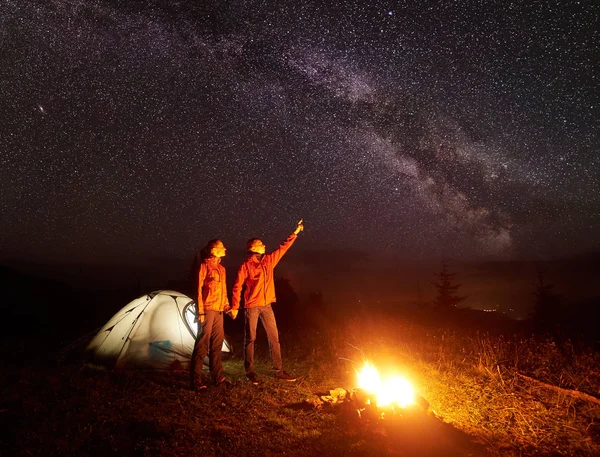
[267, 317]
[209, 341]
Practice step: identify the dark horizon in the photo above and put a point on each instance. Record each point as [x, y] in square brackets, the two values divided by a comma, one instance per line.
[347, 279]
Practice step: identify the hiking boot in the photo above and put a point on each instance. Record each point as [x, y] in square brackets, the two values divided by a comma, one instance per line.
[284, 376]
[198, 387]
[252, 378]
[198, 383]
[223, 383]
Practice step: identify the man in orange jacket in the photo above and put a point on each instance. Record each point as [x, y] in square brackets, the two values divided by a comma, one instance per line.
[256, 274]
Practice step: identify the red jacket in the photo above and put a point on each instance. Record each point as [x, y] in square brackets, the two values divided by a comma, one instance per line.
[212, 289]
[256, 273]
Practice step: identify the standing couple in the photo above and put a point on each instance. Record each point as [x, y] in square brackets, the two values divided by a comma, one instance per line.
[256, 276]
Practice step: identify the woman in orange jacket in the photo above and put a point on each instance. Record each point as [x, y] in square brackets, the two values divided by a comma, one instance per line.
[212, 303]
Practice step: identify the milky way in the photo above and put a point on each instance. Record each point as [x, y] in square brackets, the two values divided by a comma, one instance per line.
[467, 129]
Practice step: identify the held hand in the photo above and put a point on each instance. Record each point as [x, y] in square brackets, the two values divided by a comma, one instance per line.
[233, 313]
[201, 318]
[299, 228]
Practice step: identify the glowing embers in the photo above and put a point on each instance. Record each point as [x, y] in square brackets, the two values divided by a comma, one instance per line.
[375, 397]
[393, 391]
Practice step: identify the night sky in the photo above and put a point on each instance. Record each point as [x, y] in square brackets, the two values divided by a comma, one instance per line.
[405, 129]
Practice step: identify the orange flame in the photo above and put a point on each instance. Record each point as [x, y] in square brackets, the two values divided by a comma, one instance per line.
[394, 390]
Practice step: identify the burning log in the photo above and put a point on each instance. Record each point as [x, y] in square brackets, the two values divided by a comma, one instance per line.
[375, 398]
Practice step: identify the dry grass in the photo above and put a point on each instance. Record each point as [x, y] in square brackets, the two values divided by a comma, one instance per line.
[473, 382]
[470, 380]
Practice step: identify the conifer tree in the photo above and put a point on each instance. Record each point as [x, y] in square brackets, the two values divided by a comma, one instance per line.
[546, 311]
[192, 274]
[447, 296]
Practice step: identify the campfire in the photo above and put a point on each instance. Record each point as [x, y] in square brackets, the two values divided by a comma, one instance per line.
[385, 392]
[376, 396]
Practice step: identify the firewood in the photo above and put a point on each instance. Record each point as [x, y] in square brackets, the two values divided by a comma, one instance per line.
[571, 393]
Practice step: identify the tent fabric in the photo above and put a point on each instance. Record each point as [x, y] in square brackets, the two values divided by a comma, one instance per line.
[154, 331]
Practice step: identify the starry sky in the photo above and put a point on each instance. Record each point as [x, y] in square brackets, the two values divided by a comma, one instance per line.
[403, 129]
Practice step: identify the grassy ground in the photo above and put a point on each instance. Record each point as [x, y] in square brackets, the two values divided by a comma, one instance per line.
[479, 405]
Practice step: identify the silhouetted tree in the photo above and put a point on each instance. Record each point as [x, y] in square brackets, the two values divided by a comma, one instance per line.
[315, 300]
[192, 274]
[286, 295]
[189, 284]
[315, 313]
[546, 313]
[287, 304]
[446, 288]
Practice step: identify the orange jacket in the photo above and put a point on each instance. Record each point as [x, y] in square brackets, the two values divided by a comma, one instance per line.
[212, 289]
[256, 273]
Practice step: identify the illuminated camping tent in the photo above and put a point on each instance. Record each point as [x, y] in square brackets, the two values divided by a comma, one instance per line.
[154, 331]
